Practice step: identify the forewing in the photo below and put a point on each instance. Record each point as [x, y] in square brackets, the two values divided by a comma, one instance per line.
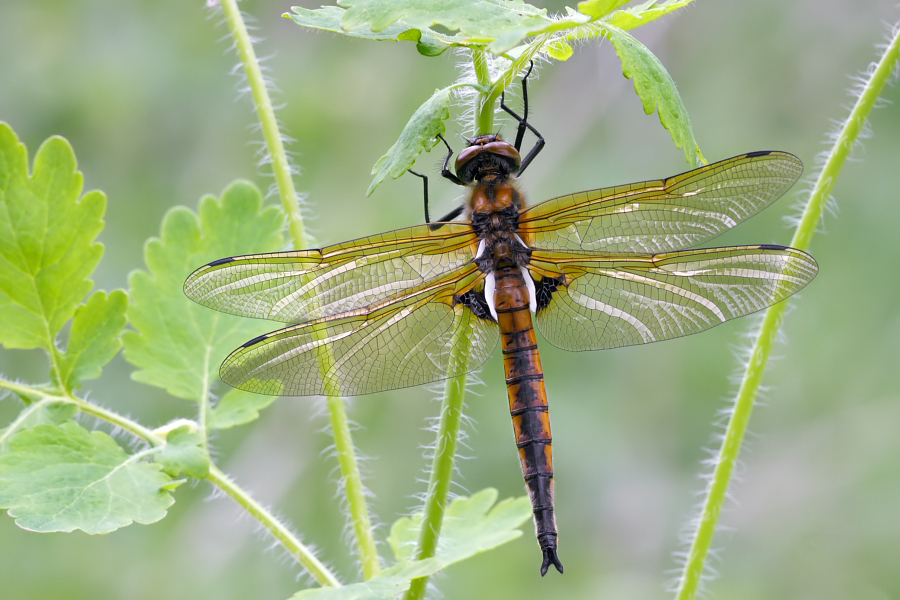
[618, 301]
[418, 339]
[660, 216]
[299, 286]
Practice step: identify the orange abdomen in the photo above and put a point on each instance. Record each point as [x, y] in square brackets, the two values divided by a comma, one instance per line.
[527, 403]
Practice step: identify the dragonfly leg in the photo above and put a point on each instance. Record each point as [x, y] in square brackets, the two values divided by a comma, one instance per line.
[446, 173]
[524, 124]
[424, 191]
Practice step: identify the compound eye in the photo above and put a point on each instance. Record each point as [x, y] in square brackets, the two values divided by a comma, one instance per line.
[506, 150]
[463, 159]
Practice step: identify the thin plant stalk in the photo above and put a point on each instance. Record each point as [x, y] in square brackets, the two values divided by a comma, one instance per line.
[359, 512]
[455, 390]
[692, 573]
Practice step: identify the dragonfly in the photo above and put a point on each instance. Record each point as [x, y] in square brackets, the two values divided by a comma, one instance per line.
[593, 270]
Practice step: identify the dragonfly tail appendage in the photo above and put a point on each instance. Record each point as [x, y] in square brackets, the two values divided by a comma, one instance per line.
[528, 405]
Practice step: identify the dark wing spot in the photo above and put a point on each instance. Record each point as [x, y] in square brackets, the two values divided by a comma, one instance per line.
[772, 247]
[545, 289]
[255, 341]
[476, 303]
[221, 261]
[758, 153]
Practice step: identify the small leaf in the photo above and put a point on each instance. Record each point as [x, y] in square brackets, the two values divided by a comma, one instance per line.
[178, 344]
[655, 88]
[47, 248]
[419, 134]
[94, 339]
[328, 18]
[238, 407]
[559, 49]
[387, 586]
[66, 478]
[184, 453]
[470, 527]
[600, 8]
[633, 17]
[44, 411]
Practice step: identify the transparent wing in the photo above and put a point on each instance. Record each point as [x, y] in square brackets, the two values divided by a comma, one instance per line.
[614, 301]
[660, 216]
[294, 287]
[418, 339]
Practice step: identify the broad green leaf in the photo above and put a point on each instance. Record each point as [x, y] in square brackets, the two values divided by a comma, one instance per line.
[94, 339]
[559, 50]
[42, 412]
[47, 248]
[390, 583]
[600, 8]
[642, 14]
[328, 18]
[470, 527]
[419, 134]
[184, 453]
[66, 478]
[238, 407]
[178, 345]
[655, 88]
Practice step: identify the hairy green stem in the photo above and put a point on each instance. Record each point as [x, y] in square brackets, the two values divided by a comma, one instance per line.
[280, 163]
[692, 574]
[455, 390]
[359, 512]
[275, 527]
[353, 488]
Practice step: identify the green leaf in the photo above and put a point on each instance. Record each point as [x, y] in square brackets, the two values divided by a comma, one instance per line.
[600, 8]
[470, 527]
[642, 14]
[238, 407]
[419, 134]
[66, 478]
[184, 453]
[390, 583]
[178, 344]
[94, 339]
[655, 88]
[559, 50]
[328, 18]
[44, 411]
[47, 248]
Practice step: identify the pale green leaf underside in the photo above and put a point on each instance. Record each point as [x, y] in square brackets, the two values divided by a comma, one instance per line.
[471, 525]
[178, 345]
[47, 248]
[94, 339]
[419, 134]
[328, 18]
[66, 478]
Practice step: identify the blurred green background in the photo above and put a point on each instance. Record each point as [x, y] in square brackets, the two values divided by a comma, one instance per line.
[143, 93]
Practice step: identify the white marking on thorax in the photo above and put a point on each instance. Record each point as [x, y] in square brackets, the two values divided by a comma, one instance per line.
[532, 292]
[489, 284]
[480, 249]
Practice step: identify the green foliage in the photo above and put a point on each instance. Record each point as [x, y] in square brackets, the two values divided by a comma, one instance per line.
[328, 18]
[238, 407]
[419, 134]
[94, 339]
[46, 411]
[66, 478]
[179, 345]
[472, 525]
[47, 248]
[184, 453]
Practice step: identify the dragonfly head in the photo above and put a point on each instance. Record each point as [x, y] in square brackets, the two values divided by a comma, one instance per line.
[487, 154]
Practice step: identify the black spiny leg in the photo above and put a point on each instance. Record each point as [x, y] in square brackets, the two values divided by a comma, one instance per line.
[523, 124]
[446, 173]
[424, 191]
